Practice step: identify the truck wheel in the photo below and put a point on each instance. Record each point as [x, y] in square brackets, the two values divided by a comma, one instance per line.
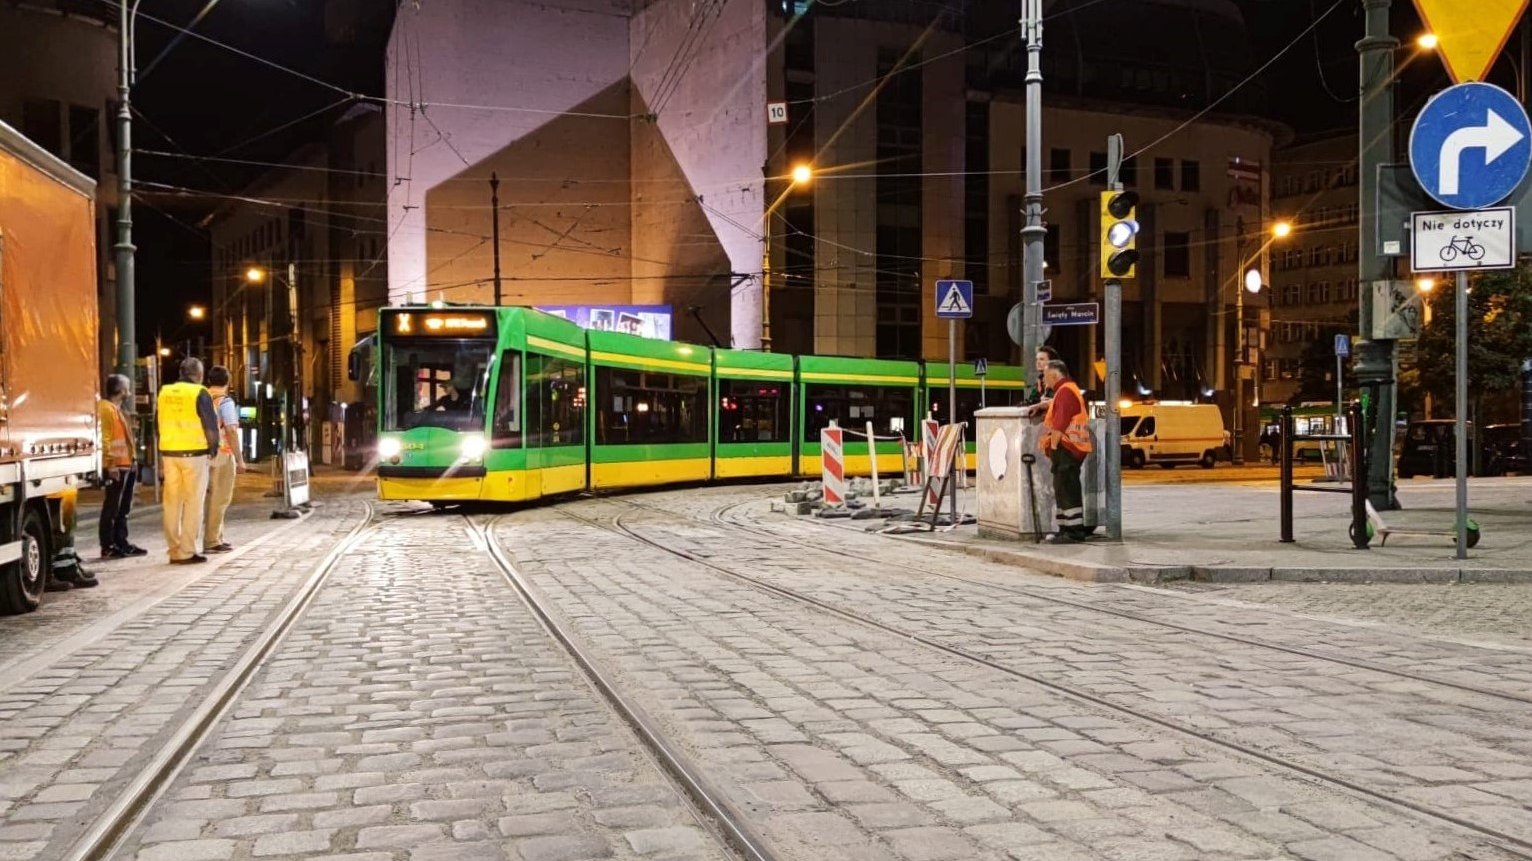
[23, 581]
[1207, 461]
[1137, 461]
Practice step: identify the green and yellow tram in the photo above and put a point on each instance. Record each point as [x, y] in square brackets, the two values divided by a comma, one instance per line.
[512, 405]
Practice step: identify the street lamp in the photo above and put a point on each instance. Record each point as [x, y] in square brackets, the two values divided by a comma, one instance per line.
[1427, 41]
[196, 313]
[1253, 285]
[801, 174]
[255, 275]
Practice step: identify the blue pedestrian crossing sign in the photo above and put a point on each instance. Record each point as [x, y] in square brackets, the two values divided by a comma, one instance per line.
[954, 300]
[981, 367]
[1471, 146]
[1343, 346]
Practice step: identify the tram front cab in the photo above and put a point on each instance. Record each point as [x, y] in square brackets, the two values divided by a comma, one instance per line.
[435, 367]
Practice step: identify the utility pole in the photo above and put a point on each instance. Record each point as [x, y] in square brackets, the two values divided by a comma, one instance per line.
[1375, 358]
[494, 208]
[1111, 444]
[127, 350]
[1034, 232]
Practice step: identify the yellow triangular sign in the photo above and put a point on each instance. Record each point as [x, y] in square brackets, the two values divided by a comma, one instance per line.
[1470, 33]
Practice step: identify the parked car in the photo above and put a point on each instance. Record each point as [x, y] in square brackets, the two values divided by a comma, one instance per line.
[1430, 448]
[1505, 451]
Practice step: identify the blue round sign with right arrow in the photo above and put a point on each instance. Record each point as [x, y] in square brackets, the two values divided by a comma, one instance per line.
[1471, 146]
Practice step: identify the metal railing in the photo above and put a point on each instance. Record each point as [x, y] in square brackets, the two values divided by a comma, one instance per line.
[1358, 488]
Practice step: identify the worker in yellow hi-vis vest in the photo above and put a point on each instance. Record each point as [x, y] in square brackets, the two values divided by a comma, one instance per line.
[188, 441]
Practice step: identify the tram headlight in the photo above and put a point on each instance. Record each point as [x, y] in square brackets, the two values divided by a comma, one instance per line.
[389, 447]
[473, 447]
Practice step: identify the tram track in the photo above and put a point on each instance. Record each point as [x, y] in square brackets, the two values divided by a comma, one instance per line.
[720, 517]
[107, 832]
[728, 826]
[1519, 846]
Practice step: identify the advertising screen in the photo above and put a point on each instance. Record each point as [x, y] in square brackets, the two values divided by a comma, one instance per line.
[649, 321]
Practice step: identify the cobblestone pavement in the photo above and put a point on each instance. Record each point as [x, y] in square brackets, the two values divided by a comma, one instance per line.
[82, 714]
[127, 586]
[417, 711]
[1490, 613]
[845, 741]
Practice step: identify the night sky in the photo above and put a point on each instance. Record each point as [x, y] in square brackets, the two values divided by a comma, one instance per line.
[206, 100]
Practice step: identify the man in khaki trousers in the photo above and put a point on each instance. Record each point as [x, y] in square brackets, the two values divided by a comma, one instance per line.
[188, 431]
[228, 463]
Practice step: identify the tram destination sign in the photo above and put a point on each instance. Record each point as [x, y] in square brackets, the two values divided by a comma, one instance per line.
[443, 324]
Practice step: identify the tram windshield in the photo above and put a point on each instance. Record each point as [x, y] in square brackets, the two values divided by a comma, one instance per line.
[442, 384]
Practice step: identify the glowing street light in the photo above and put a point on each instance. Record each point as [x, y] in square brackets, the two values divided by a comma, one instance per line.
[1282, 229]
[1425, 285]
[255, 275]
[1428, 41]
[165, 352]
[1253, 280]
[196, 312]
[802, 174]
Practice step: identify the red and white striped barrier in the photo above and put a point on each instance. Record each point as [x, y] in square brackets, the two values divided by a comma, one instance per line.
[930, 429]
[832, 459]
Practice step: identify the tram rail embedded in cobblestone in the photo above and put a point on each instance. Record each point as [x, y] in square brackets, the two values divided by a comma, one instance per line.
[729, 825]
[719, 516]
[106, 833]
[1510, 842]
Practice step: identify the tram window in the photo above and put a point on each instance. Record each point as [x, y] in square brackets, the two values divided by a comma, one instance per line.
[506, 429]
[441, 384]
[968, 404]
[888, 408]
[555, 402]
[646, 408]
[752, 411]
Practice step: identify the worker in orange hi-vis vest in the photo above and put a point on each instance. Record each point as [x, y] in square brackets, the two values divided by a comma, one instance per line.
[119, 453]
[1066, 441]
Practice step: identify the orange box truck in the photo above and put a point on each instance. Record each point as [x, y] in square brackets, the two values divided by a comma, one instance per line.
[48, 374]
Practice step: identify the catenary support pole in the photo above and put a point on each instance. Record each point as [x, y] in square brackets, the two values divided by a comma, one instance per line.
[127, 349]
[1375, 358]
[1033, 233]
[494, 208]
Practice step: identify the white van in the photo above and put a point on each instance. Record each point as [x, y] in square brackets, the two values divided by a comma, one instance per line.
[1172, 434]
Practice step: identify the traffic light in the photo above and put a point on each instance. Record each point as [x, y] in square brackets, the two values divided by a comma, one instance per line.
[1119, 234]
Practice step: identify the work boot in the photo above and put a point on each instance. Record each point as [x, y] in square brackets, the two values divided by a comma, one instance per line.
[77, 577]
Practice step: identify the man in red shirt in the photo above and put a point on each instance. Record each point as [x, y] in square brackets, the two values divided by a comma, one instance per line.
[1066, 441]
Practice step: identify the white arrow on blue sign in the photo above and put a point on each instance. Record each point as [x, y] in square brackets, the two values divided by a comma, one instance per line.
[954, 300]
[1471, 146]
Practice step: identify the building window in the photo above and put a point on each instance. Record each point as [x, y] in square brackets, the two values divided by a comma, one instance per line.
[85, 140]
[1130, 172]
[1178, 254]
[1098, 169]
[42, 121]
[1059, 167]
[1164, 174]
[1290, 294]
[1051, 250]
[899, 212]
[976, 197]
[1191, 175]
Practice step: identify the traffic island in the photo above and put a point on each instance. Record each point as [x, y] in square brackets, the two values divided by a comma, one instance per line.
[1219, 533]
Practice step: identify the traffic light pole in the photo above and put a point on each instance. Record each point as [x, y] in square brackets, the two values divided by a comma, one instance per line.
[1375, 358]
[1034, 232]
